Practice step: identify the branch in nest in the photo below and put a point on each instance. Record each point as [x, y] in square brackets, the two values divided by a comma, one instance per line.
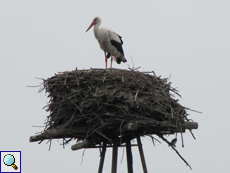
[161, 136]
[153, 139]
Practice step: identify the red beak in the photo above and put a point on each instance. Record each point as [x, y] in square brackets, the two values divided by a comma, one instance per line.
[93, 23]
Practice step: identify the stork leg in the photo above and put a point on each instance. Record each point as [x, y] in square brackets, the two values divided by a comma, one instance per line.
[105, 60]
[111, 59]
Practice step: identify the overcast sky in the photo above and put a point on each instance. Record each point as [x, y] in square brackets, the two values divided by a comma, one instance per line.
[188, 40]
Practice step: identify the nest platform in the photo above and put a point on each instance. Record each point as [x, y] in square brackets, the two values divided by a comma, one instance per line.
[97, 107]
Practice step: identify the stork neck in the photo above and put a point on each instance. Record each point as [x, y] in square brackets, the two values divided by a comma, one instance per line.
[96, 27]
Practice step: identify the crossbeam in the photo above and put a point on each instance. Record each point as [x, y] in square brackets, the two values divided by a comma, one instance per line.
[163, 128]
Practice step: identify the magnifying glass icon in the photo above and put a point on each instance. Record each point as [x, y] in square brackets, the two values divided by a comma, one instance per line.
[9, 160]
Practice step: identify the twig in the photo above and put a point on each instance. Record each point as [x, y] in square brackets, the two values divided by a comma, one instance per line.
[103, 135]
[40, 141]
[190, 130]
[79, 109]
[76, 77]
[104, 79]
[65, 78]
[154, 139]
[182, 140]
[161, 136]
[122, 154]
[122, 79]
[137, 68]
[99, 118]
[132, 61]
[136, 95]
[82, 156]
[50, 144]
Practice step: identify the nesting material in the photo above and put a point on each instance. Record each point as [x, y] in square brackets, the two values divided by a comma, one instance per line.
[107, 107]
[102, 104]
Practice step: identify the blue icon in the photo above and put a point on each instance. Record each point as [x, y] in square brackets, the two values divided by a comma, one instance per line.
[9, 160]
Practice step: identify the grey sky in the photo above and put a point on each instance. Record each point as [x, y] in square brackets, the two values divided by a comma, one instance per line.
[189, 40]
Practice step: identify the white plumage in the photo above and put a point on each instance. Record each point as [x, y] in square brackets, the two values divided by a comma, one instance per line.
[109, 41]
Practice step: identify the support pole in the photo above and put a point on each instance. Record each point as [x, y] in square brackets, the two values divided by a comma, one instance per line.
[102, 158]
[114, 159]
[129, 156]
[141, 155]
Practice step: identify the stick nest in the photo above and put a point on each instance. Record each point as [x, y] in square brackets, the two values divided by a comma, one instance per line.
[99, 101]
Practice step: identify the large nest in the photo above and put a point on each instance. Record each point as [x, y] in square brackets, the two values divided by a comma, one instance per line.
[99, 102]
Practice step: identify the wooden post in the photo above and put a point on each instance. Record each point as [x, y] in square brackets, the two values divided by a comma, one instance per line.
[129, 156]
[114, 159]
[102, 158]
[141, 154]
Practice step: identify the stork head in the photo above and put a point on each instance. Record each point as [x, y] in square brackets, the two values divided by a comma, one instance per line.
[94, 22]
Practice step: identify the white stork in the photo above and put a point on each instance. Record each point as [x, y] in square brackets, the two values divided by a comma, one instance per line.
[110, 42]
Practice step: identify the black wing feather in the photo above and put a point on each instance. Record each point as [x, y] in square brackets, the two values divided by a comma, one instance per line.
[118, 45]
[108, 55]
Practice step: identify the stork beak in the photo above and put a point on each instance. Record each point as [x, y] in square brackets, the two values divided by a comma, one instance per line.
[93, 23]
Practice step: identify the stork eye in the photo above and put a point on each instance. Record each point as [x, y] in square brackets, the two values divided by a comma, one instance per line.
[95, 20]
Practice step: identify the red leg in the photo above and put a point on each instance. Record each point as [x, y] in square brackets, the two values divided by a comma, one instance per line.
[111, 60]
[105, 60]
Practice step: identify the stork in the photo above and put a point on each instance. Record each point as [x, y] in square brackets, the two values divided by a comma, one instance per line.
[110, 42]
